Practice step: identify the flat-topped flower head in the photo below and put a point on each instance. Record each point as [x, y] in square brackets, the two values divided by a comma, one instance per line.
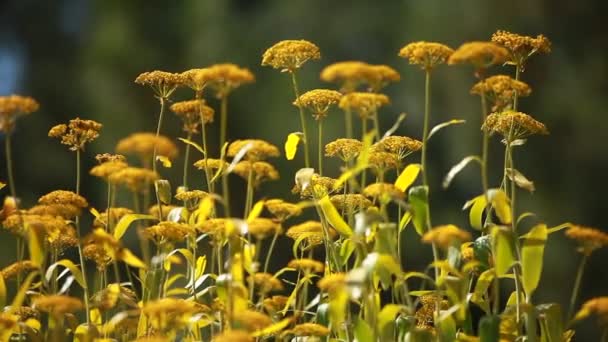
[234, 336]
[261, 171]
[345, 149]
[63, 197]
[332, 283]
[191, 113]
[16, 268]
[364, 104]
[383, 192]
[350, 202]
[402, 146]
[257, 149]
[76, 133]
[57, 305]
[426, 54]
[379, 76]
[588, 238]
[381, 161]
[251, 320]
[306, 265]
[318, 101]
[481, 55]
[266, 282]
[311, 232]
[225, 77]
[282, 210]
[349, 75]
[164, 210]
[597, 306]
[106, 169]
[521, 47]
[289, 55]
[317, 187]
[142, 145]
[307, 330]
[514, 125]
[262, 227]
[12, 107]
[446, 236]
[168, 231]
[115, 215]
[162, 83]
[135, 179]
[210, 164]
[501, 90]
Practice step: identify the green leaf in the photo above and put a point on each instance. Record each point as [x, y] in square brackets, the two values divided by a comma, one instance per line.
[503, 250]
[489, 329]
[443, 125]
[532, 257]
[481, 287]
[457, 168]
[363, 332]
[419, 202]
[405, 219]
[419, 335]
[387, 315]
[482, 248]
[407, 176]
[125, 222]
[447, 328]
[551, 325]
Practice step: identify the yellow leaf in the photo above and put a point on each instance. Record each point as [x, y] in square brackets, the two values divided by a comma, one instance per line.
[201, 263]
[477, 204]
[94, 212]
[405, 219]
[33, 323]
[291, 145]
[256, 210]
[204, 210]
[193, 144]
[249, 257]
[503, 251]
[165, 161]
[500, 203]
[407, 176]
[387, 315]
[333, 217]
[95, 316]
[20, 296]
[69, 265]
[36, 244]
[126, 256]
[2, 185]
[532, 257]
[274, 328]
[125, 222]
[2, 292]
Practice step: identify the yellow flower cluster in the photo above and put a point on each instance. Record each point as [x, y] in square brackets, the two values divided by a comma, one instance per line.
[192, 112]
[521, 47]
[167, 231]
[282, 210]
[222, 78]
[351, 74]
[501, 90]
[261, 227]
[57, 305]
[135, 179]
[426, 54]
[345, 149]
[76, 133]
[261, 171]
[13, 106]
[290, 55]
[514, 125]
[142, 145]
[589, 239]
[364, 104]
[318, 101]
[446, 236]
[399, 145]
[162, 83]
[306, 265]
[480, 54]
[257, 149]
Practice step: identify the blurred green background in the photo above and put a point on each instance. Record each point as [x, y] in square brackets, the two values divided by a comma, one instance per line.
[79, 58]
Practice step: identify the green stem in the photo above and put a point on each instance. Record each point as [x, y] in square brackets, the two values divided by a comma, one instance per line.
[206, 154]
[577, 285]
[249, 193]
[186, 163]
[9, 165]
[160, 122]
[320, 122]
[294, 81]
[376, 124]
[348, 122]
[223, 120]
[270, 249]
[82, 264]
[364, 132]
[425, 129]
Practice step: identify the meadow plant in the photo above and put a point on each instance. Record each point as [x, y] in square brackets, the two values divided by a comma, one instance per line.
[203, 272]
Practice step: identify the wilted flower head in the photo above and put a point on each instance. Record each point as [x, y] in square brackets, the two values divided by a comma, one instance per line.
[142, 144]
[135, 179]
[513, 125]
[426, 54]
[257, 150]
[282, 210]
[192, 112]
[364, 104]
[162, 83]
[400, 145]
[521, 47]
[77, 133]
[589, 239]
[501, 90]
[345, 149]
[290, 55]
[481, 55]
[318, 101]
[446, 236]
[13, 106]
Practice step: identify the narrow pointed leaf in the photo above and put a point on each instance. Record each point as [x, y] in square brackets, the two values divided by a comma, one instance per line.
[443, 125]
[333, 217]
[520, 180]
[125, 222]
[457, 168]
[407, 176]
[532, 258]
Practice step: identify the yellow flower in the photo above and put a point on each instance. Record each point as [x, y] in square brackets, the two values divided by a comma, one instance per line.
[311, 232]
[364, 104]
[379, 76]
[162, 83]
[98, 254]
[350, 202]
[589, 239]
[76, 133]
[501, 90]
[233, 336]
[382, 161]
[332, 283]
[399, 145]
[63, 197]
[306, 265]
[108, 157]
[426, 54]
[383, 191]
[165, 210]
[282, 210]
[57, 305]
[318, 101]
[318, 187]
[513, 125]
[521, 47]
[308, 329]
[275, 303]
[446, 236]
[349, 75]
[345, 149]
[19, 267]
[135, 179]
[210, 164]
[66, 211]
[251, 320]
[222, 78]
[258, 149]
[106, 169]
[168, 231]
[290, 55]
[262, 227]
[480, 54]
[142, 144]
[261, 171]
[266, 282]
[13, 106]
[216, 227]
[192, 112]
[598, 306]
[170, 312]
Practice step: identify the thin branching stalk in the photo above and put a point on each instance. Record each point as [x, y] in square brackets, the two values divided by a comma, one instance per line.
[296, 92]
[577, 285]
[85, 287]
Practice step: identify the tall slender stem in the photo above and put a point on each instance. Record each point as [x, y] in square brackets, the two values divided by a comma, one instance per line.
[425, 129]
[270, 249]
[160, 122]
[85, 287]
[577, 285]
[376, 124]
[186, 163]
[320, 122]
[363, 133]
[348, 123]
[9, 165]
[223, 120]
[296, 92]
